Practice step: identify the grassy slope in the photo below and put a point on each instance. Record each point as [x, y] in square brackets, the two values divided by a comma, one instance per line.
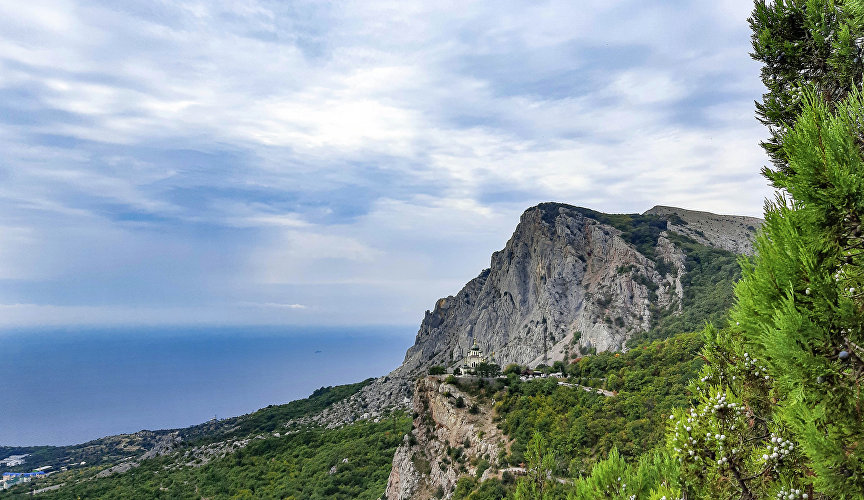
[581, 427]
[110, 450]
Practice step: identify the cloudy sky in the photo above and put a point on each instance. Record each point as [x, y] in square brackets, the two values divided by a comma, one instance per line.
[291, 162]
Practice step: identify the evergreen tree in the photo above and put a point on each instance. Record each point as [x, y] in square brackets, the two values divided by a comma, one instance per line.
[539, 476]
[780, 411]
[804, 43]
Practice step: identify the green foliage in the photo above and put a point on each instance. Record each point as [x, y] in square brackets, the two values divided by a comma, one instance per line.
[540, 467]
[487, 370]
[270, 418]
[655, 475]
[708, 283]
[641, 231]
[300, 465]
[469, 488]
[580, 427]
[112, 449]
[776, 385]
[804, 44]
[512, 368]
[437, 370]
[782, 383]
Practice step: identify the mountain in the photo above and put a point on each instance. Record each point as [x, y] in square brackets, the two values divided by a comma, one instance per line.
[571, 280]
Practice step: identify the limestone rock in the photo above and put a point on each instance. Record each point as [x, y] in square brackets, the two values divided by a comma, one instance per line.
[730, 232]
[424, 463]
[563, 282]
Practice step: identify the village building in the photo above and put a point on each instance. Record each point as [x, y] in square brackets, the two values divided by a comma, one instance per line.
[9, 479]
[13, 460]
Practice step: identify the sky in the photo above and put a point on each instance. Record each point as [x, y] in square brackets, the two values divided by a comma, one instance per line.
[342, 163]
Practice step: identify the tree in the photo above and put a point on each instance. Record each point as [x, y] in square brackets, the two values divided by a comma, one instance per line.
[487, 370]
[513, 368]
[779, 407]
[778, 411]
[437, 370]
[539, 471]
[804, 44]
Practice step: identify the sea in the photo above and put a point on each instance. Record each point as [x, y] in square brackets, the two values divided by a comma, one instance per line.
[68, 386]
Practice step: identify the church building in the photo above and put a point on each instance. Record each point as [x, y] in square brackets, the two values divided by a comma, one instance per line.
[475, 357]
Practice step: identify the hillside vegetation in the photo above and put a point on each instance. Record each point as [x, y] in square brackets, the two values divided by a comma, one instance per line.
[114, 449]
[252, 456]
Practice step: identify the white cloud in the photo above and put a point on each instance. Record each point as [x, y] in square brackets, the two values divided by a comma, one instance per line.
[371, 154]
[272, 305]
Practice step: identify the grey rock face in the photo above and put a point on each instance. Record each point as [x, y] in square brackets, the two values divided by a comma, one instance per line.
[563, 282]
[730, 232]
[421, 466]
[561, 273]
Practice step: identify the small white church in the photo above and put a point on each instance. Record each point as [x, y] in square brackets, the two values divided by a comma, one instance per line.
[474, 358]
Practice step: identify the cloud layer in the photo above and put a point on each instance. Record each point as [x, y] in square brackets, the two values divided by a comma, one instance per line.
[311, 162]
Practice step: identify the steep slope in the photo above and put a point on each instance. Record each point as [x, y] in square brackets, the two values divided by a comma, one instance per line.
[558, 275]
[471, 435]
[566, 272]
[569, 280]
[452, 434]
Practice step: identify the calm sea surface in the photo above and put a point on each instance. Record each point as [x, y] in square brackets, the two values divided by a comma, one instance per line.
[70, 386]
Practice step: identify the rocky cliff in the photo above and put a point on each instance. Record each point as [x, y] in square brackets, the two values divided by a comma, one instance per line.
[453, 434]
[569, 279]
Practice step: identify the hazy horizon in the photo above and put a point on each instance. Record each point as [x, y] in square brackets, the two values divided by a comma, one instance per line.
[63, 388]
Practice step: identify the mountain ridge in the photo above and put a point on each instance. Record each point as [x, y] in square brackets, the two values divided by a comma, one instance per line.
[569, 280]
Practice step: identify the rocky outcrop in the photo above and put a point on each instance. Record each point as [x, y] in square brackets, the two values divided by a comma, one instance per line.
[452, 435]
[562, 277]
[733, 233]
[566, 281]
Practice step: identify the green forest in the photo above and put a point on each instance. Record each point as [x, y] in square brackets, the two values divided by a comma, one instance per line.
[351, 462]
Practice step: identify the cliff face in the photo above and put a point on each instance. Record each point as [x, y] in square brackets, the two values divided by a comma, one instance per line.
[558, 275]
[569, 279]
[448, 439]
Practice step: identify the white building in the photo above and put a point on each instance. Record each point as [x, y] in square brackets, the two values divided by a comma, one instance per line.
[475, 357]
[13, 460]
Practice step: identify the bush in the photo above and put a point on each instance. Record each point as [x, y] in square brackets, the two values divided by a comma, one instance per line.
[437, 370]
